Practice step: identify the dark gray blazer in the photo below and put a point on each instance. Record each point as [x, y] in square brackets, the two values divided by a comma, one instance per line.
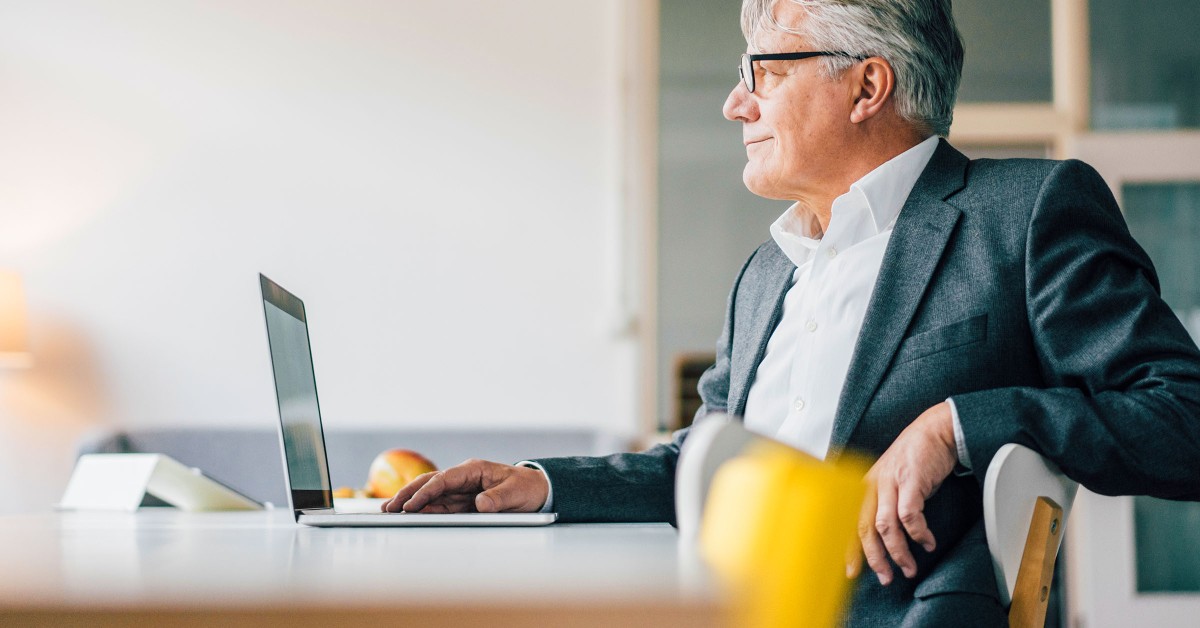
[1012, 286]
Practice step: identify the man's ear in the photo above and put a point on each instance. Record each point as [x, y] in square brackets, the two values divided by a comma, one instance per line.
[874, 81]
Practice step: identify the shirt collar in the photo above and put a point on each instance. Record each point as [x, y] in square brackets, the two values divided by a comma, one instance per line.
[868, 208]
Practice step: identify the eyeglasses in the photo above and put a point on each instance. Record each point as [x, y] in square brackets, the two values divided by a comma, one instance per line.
[746, 69]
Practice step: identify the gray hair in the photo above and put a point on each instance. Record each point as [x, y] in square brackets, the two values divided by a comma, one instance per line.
[917, 37]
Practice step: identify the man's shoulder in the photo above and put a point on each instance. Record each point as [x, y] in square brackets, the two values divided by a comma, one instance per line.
[1006, 172]
[1022, 174]
[1024, 183]
[1005, 196]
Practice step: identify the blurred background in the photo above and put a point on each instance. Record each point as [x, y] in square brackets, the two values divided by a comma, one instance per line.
[519, 215]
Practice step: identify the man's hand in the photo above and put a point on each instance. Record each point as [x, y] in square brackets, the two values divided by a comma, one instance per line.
[906, 475]
[473, 486]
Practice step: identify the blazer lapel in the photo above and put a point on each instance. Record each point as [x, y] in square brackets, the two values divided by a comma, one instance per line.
[771, 287]
[918, 240]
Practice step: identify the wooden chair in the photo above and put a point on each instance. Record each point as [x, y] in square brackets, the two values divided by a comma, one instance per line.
[1026, 501]
[686, 369]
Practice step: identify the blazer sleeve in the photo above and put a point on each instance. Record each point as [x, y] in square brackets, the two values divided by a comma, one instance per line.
[639, 486]
[1121, 410]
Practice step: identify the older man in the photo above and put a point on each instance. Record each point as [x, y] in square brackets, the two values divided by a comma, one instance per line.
[913, 305]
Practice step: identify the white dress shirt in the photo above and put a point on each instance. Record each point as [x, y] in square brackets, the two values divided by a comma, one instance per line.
[795, 392]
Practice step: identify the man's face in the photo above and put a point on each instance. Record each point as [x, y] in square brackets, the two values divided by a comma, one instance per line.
[796, 123]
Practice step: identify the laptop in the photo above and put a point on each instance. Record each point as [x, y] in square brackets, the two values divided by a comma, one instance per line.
[302, 439]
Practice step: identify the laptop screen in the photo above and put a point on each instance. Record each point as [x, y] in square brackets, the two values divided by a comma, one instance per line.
[306, 468]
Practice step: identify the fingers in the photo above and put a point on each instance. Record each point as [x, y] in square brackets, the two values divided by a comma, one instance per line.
[889, 529]
[519, 490]
[492, 500]
[463, 478]
[911, 511]
[396, 503]
[872, 545]
[475, 485]
[854, 554]
[906, 475]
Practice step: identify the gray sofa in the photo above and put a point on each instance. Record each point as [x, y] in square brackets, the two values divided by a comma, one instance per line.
[250, 460]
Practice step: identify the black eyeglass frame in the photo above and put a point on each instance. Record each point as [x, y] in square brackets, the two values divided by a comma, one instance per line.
[746, 68]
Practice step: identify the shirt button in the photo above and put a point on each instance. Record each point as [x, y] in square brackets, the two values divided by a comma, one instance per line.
[798, 404]
[811, 326]
[831, 252]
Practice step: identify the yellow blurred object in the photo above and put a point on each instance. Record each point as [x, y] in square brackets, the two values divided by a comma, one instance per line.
[776, 530]
[343, 491]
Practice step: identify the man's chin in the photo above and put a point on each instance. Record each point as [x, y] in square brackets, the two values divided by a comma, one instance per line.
[759, 187]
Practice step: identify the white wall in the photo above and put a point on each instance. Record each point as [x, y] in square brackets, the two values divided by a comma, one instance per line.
[438, 180]
[709, 222]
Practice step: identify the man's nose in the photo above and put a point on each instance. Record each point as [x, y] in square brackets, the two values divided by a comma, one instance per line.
[740, 105]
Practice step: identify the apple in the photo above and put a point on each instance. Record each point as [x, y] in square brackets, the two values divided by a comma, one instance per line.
[393, 469]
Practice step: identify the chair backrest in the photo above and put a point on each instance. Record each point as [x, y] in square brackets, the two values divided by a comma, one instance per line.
[710, 442]
[1015, 480]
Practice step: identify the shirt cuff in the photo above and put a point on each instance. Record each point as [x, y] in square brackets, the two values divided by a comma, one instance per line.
[960, 443]
[549, 505]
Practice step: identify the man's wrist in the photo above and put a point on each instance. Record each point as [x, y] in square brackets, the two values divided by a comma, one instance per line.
[960, 441]
[549, 505]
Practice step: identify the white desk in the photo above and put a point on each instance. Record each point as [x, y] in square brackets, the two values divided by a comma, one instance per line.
[165, 567]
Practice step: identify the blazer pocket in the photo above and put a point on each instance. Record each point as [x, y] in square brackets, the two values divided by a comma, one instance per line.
[926, 343]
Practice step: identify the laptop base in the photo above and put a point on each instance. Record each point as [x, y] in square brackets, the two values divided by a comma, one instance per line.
[330, 519]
